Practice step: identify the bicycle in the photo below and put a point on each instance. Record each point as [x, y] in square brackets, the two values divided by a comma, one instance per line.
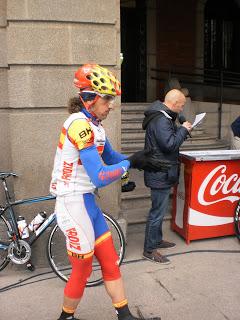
[237, 220]
[17, 250]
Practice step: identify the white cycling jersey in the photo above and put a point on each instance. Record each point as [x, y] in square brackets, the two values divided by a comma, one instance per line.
[69, 175]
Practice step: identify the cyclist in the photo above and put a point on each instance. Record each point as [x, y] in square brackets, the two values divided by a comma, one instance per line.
[77, 172]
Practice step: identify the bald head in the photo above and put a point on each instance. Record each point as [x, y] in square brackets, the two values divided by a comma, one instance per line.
[175, 100]
[174, 95]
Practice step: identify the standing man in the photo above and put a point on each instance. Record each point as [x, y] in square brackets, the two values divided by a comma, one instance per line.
[78, 171]
[235, 134]
[163, 135]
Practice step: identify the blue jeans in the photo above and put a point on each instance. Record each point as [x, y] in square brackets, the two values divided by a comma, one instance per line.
[153, 231]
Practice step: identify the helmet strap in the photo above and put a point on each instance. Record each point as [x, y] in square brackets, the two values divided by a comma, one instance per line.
[89, 105]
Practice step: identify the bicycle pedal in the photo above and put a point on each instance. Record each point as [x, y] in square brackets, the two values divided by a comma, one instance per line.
[30, 266]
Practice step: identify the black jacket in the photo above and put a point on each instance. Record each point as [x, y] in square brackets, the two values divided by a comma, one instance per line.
[165, 137]
[236, 127]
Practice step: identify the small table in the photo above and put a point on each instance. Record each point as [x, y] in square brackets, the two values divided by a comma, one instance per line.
[204, 201]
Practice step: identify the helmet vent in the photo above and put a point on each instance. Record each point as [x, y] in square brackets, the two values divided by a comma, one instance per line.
[96, 83]
[92, 77]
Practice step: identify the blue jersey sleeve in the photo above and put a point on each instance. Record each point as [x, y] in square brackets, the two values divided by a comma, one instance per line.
[99, 174]
[111, 156]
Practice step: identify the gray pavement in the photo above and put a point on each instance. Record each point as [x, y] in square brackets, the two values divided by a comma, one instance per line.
[199, 284]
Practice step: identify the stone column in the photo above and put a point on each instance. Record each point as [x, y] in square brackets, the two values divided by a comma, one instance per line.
[5, 157]
[46, 41]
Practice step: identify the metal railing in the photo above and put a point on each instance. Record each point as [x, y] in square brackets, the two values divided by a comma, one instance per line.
[204, 84]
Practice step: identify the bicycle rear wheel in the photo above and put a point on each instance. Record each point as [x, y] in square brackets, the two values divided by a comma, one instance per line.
[4, 242]
[58, 258]
[236, 220]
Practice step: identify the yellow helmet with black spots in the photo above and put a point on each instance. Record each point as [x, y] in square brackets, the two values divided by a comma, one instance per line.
[92, 77]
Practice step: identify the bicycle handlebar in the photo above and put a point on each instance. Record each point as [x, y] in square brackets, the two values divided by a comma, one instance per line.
[4, 175]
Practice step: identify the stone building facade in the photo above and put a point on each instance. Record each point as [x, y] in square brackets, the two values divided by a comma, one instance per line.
[42, 44]
[44, 41]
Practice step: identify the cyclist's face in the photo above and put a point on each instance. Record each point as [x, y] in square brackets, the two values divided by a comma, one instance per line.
[103, 106]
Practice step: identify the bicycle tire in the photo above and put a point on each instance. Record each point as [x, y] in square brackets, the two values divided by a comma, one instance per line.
[236, 220]
[4, 237]
[58, 258]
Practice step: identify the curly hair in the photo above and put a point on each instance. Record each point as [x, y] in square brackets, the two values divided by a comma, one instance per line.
[74, 105]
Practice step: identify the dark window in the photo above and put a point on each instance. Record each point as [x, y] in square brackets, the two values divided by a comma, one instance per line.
[222, 34]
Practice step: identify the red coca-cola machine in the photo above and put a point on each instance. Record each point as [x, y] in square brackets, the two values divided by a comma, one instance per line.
[205, 198]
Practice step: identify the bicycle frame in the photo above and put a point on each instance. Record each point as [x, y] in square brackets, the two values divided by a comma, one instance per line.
[19, 250]
[13, 221]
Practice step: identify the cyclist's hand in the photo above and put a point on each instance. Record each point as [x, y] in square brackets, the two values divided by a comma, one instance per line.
[126, 184]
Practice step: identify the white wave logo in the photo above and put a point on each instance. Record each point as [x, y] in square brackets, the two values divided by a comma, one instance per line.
[200, 219]
[220, 184]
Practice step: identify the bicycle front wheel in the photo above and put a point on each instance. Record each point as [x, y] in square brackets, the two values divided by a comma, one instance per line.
[236, 220]
[58, 258]
[4, 242]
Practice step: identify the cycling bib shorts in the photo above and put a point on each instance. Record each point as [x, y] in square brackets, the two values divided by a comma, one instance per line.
[82, 223]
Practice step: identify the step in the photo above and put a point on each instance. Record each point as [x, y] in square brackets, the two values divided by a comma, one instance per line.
[131, 201]
[138, 177]
[217, 145]
[139, 134]
[130, 129]
[132, 115]
[201, 141]
[134, 107]
[131, 125]
[139, 215]
[129, 148]
[135, 205]
[132, 137]
[132, 147]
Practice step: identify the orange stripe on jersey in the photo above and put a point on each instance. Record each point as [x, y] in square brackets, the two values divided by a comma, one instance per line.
[100, 149]
[62, 138]
[102, 238]
[60, 145]
[73, 142]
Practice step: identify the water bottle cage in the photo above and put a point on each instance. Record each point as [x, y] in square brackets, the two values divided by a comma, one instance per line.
[36, 226]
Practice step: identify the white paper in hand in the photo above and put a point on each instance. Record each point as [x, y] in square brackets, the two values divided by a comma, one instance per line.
[198, 119]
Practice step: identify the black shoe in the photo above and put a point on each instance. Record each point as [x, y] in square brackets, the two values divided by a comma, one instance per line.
[166, 245]
[155, 256]
[30, 266]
